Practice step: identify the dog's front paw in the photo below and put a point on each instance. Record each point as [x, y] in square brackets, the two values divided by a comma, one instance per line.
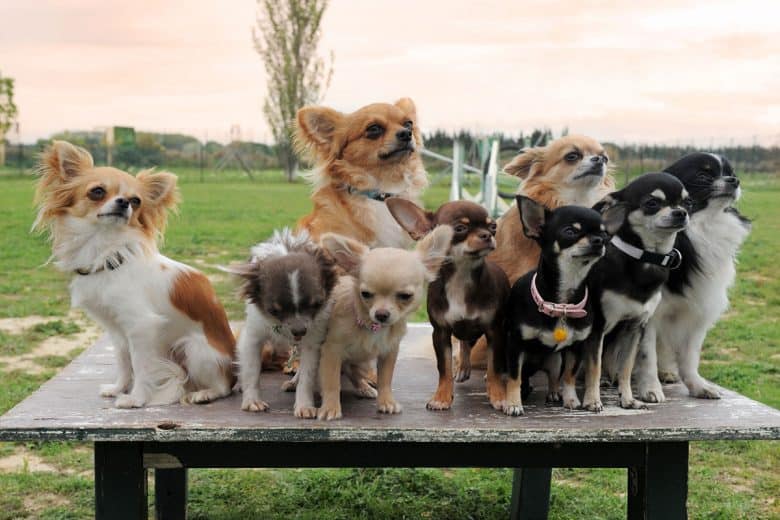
[366, 392]
[463, 373]
[110, 390]
[290, 385]
[200, 397]
[632, 404]
[652, 393]
[388, 406]
[497, 396]
[571, 403]
[329, 412]
[705, 390]
[254, 405]
[305, 412]
[667, 377]
[513, 409]
[128, 401]
[593, 406]
[553, 397]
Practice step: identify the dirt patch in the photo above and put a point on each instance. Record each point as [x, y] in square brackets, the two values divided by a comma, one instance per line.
[52, 346]
[40, 501]
[19, 325]
[22, 459]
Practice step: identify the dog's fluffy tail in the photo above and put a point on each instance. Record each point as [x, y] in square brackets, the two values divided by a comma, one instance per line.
[169, 383]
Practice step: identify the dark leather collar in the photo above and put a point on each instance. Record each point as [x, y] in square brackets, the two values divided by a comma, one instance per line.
[670, 260]
[112, 263]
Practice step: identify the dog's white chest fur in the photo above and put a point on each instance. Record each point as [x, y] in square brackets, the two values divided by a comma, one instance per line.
[618, 307]
[545, 336]
[388, 232]
[366, 345]
[456, 288]
[716, 237]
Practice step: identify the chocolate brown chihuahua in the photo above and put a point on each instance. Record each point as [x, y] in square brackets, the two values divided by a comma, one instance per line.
[467, 298]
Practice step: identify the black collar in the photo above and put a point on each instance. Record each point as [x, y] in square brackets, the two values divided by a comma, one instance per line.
[111, 263]
[377, 195]
[670, 260]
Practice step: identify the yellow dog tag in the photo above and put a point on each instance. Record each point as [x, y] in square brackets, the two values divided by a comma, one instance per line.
[560, 334]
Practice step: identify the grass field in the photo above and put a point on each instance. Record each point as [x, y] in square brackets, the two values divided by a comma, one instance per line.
[217, 222]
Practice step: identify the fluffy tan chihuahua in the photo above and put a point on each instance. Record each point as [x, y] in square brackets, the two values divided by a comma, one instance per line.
[371, 304]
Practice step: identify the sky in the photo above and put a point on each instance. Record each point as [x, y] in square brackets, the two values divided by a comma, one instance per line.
[676, 72]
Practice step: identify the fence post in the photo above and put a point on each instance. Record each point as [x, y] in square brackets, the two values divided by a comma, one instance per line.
[491, 179]
[457, 170]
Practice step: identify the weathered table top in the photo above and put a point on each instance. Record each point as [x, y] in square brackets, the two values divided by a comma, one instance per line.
[68, 407]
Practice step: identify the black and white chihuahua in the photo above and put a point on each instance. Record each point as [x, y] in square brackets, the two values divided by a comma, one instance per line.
[696, 294]
[627, 282]
[549, 310]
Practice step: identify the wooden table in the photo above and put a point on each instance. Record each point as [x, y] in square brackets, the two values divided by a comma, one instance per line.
[652, 444]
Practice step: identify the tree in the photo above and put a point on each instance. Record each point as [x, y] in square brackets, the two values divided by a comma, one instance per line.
[8, 112]
[286, 38]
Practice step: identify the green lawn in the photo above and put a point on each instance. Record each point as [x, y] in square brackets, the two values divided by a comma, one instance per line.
[218, 221]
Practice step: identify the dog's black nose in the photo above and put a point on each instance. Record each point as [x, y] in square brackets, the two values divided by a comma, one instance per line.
[382, 315]
[731, 180]
[596, 241]
[679, 214]
[122, 203]
[298, 332]
[404, 135]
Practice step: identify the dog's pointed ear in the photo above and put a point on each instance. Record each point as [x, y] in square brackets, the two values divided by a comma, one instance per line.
[63, 161]
[315, 130]
[613, 217]
[251, 286]
[533, 216]
[415, 220]
[407, 105]
[433, 249]
[159, 188]
[608, 201]
[346, 252]
[525, 164]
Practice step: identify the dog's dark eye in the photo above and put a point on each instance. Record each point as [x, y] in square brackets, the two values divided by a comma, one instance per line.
[366, 295]
[572, 157]
[605, 158]
[492, 228]
[408, 125]
[570, 232]
[275, 312]
[687, 203]
[135, 202]
[460, 228]
[404, 297]
[652, 205]
[374, 131]
[703, 177]
[97, 193]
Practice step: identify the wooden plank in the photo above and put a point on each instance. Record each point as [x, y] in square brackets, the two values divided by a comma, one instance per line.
[170, 494]
[658, 488]
[68, 407]
[120, 481]
[530, 493]
[345, 454]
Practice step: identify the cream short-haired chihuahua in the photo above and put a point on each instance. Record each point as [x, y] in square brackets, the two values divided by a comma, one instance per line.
[370, 307]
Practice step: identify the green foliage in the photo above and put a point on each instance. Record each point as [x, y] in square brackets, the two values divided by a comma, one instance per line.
[286, 38]
[8, 109]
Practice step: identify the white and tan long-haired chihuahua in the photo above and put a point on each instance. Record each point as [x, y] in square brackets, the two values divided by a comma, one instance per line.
[370, 307]
[171, 335]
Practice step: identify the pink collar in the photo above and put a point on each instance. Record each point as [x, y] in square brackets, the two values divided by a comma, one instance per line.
[557, 310]
[372, 326]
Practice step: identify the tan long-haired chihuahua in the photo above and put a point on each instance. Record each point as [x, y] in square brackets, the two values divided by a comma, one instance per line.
[571, 170]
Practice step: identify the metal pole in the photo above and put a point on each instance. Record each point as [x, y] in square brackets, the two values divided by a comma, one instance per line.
[491, 179]
[457, 170]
